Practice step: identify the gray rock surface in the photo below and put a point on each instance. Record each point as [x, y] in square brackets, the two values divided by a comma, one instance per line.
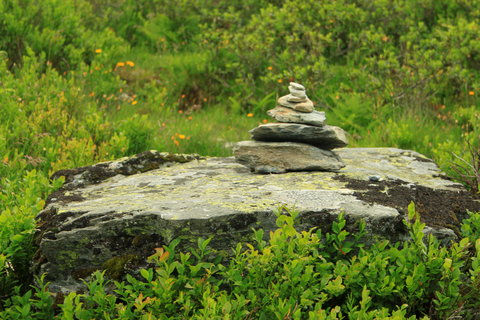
[306, 106]
[297, 92]
[326, 137]
[114, 222]
[296, 99]
[297, 86]
[283, 114]
[280, 157]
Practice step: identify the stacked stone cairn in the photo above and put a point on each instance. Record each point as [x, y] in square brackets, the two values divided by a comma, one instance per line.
[300, 140]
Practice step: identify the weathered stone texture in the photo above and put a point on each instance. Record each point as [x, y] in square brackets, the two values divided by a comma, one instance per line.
[119, 220]
[281, 157]
[325, 137]
[284, 114]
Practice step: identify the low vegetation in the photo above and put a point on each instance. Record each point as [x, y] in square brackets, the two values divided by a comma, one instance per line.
[293, 275]
[86, 81]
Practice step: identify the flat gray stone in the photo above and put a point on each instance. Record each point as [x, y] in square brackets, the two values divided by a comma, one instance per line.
[295, 99]
[283, 114]
[118, 220]
[297, 93]
[280, 157]
[326, 137]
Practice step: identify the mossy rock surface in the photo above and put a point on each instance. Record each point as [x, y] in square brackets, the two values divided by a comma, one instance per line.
[130, 212]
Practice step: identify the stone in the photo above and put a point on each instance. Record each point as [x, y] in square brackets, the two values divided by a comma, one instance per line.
[297, 93]
[115, 222]
[138, 163]
[280, 157]
[301, 107]
[306, 106]
[297, 86]
[291, 98]
[325, 137]
[283, 114]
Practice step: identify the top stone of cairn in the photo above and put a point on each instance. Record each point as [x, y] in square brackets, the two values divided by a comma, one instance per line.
[297, 86]
[297, 99]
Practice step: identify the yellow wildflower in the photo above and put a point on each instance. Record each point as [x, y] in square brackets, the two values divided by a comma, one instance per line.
[120, 64]
[249, 115]
[98, 50]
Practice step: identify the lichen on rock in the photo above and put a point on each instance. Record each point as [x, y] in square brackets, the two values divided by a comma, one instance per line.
[116, 222]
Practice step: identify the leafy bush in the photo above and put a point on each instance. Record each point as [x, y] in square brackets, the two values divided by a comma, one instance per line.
[293, 275]
[58, 30]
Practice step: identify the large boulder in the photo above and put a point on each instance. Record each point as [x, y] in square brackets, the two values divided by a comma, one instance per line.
[114, 220]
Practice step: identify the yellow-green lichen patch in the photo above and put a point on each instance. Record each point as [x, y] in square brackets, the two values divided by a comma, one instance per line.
[115, 267]
[67, 259]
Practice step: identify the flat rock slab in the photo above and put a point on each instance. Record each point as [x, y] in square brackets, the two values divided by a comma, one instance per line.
[284, 114]
[326, 137]
[281, 157]
[114, 223]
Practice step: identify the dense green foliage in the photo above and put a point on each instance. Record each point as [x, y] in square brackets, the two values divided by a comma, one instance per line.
[88, 80]
[293, 275]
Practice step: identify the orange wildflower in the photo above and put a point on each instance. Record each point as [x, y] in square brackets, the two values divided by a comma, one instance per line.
[130, 63]
[120, 64]
[280, 80]
[249, 115]
[265, 121]
[269, 68]
[181, 136]
[134, 102]
[471, 93]
[98, 50]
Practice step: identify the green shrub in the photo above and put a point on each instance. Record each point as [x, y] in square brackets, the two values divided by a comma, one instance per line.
[292, 275]
[58, 30]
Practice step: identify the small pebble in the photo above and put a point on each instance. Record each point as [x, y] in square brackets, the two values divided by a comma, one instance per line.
[297, 86]
[295, 92]
[374, 178]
